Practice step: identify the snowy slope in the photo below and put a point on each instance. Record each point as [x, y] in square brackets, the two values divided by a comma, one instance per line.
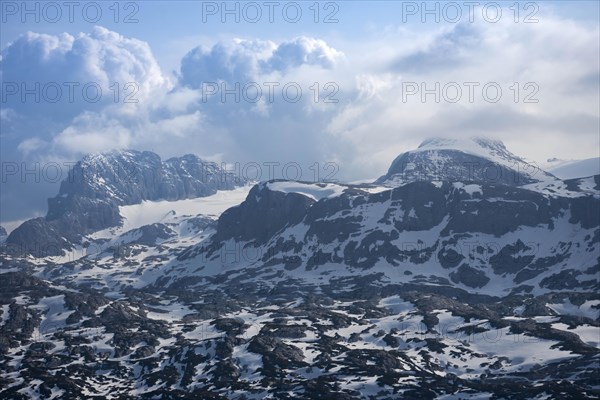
[475, 159]
[574, 168]
[315, 191]
[580, 187]
[149, 212]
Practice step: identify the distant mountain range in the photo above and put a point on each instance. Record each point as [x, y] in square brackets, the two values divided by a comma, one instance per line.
[463, 272]
[90, 197]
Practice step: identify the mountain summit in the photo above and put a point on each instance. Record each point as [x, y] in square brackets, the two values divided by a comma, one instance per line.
[90, 197]
[479, 159]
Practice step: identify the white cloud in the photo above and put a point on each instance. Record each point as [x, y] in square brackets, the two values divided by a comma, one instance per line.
[303, 51]
[90, 133]
[241, 60]
[63, 65]
[29, 145]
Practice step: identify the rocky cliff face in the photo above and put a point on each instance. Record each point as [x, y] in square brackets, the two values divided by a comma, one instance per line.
[262, 215]
[473, 235]
[90, 197]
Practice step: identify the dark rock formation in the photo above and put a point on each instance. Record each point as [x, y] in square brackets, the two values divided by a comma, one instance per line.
[90, 197]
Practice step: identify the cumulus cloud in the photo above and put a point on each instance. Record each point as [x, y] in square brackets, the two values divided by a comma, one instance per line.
[303, 51]
[231, 61]
[50, 80]
[63, 73]
[161, 111]
[239, 60]
[102, 57]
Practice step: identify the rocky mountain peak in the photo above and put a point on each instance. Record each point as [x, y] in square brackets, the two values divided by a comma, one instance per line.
[90, 197]
[477, 159]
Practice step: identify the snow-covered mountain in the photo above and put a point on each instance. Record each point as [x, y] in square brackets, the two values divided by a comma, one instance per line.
[417, 286]
[466, 160]
[90, 197]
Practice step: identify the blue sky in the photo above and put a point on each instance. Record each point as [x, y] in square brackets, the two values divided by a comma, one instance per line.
[375, 53]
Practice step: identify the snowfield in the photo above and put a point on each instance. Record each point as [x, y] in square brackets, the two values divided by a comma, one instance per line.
[149, 212]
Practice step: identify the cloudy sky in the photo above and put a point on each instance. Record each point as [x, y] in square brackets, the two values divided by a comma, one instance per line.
[352, 83]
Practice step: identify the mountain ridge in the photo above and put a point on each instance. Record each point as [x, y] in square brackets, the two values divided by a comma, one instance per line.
[89, 199]
[449, 288]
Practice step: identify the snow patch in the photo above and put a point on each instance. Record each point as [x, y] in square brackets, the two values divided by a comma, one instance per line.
[315, 191]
